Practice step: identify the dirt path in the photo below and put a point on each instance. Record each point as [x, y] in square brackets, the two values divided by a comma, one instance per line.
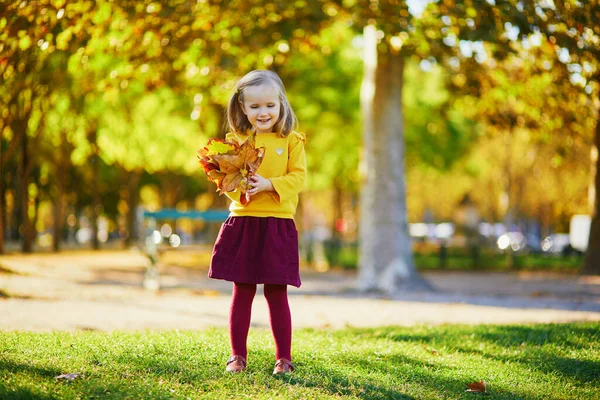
[103, 291]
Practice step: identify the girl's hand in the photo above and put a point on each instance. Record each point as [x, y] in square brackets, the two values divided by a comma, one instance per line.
[259, 184]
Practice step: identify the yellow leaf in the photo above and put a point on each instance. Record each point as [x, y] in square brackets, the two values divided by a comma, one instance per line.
[217, 146]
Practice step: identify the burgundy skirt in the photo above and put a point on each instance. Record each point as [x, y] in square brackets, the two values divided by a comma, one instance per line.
[257, 250]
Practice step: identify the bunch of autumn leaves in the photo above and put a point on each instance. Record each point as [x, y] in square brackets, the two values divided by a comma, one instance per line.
[229, 164]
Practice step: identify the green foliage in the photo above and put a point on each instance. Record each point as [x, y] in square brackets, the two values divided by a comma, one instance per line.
[144, 84]
[327, 95]
[324, 88]
[153, 135]
[551, 361]
[437, 133]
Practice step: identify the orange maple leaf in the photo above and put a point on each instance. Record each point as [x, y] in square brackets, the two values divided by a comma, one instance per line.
[229, 165]
[477, 387]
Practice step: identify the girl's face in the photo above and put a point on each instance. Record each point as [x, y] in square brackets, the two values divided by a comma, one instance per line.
[261, 105]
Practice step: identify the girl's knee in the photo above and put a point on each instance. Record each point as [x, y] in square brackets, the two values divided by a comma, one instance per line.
[246, 288]
[275, 290]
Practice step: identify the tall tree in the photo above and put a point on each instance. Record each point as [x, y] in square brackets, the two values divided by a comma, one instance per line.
[126, 57]
[572, 28]
[385, 254]
[36, 43]
[392, 34]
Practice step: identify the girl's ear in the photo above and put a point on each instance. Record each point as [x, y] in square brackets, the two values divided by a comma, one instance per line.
[242, 107]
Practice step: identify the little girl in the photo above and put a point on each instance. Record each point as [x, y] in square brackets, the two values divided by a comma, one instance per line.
[258, 243]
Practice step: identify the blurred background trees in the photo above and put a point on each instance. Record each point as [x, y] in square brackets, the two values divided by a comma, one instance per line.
[105, 103]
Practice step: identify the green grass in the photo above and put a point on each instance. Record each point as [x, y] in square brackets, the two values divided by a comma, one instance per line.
[546, 361]
[493, 261]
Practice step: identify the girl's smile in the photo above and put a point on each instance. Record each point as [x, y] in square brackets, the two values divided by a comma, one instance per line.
[262, 107]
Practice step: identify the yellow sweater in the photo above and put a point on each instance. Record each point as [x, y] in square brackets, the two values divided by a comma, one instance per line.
[284, 163]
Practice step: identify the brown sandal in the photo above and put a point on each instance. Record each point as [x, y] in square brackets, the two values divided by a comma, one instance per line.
[283, 366]
[236, 364]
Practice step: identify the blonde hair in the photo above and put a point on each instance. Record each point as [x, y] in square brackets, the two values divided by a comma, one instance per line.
[238, 122]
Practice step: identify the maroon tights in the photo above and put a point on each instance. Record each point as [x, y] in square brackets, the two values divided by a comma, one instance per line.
[279, 310]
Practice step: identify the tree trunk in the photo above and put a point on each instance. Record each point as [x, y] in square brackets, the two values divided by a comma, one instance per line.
[591, 264]
[385, 255]
[14, 218]
[133, 194]
[96, 199]
[335, 242]
[2, 212]
[58, 207]
[338, 195]
[62, 171]
[27, 244]
[509, 216]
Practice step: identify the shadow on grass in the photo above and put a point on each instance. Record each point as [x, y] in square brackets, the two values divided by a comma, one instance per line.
[547, 360]
[340, 386]
[576, 338]
[22, 394]
[311, 375]
[98, 389]
[93, 384]
[358, 376]
[432, 377]
[9, 393]
[15, 368]
[338, 383]
[535, 346]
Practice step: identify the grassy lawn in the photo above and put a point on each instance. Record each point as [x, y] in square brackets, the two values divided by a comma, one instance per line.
[546, 361]
[459, 260]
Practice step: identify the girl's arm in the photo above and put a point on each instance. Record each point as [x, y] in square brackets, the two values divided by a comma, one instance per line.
[282, 187]
[291, 183]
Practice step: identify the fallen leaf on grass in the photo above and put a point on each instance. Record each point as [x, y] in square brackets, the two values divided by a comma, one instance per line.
[69, 377]
[477, 387]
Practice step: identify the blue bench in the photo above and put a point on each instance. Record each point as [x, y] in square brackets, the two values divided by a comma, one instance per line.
[152, 276]
[172, 214]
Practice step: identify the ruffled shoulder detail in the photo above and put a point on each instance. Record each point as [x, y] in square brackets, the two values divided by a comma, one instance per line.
[297, 137]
